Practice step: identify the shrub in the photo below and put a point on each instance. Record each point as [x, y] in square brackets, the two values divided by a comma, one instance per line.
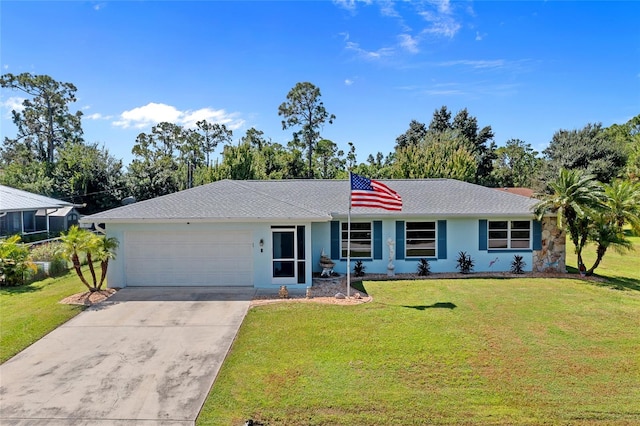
[464, 262]
[46, 252]
[15, 266]
[358, 269]
[52, 253]
[424, 268]
[518, 264]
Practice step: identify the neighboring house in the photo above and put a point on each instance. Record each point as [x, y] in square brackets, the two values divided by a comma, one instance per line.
[18, 211]
[60, 220]
[525, 192]
[272, 232]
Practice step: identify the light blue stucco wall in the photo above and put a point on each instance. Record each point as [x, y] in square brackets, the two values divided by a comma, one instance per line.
[462, 235]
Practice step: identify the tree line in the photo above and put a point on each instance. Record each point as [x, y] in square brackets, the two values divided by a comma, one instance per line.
[50, 156]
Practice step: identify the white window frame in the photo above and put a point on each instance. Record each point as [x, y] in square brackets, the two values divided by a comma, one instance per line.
[407, 239]
[343, 240]
[510, 231]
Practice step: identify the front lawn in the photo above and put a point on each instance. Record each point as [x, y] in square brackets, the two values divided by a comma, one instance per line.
[474, 351]
[621, 271]
[29, 312]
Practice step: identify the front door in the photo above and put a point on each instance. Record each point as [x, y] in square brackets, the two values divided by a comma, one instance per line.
[284, 255]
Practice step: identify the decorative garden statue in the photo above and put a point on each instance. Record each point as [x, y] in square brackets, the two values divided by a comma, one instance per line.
[326, 264]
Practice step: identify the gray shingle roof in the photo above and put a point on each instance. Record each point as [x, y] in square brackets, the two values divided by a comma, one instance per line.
[316, 200]
[12, 199]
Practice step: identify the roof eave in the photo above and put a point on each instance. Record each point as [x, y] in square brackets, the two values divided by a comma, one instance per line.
[30, 209]
[431, 214]
[188, 220]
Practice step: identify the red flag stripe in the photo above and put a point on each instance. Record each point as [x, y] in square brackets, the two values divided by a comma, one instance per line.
[374, 194]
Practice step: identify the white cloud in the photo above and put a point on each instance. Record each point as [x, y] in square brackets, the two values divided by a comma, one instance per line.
[409, 43]
[477, 64]
[519, 65]
[350, 5]
[97, 116]
[445, 92]
[468, 89]
[387, 8]
[348, 82]
[220, 116]
[479, 36]
[440, 18]
[443, 6]
[440, 25]
[148, 115]
[154, 113]
[14, 103]
[369, 54]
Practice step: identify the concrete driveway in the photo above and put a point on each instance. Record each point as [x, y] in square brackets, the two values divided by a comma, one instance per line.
[144, 356]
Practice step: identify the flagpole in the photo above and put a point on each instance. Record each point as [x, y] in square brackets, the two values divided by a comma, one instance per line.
[349, 242]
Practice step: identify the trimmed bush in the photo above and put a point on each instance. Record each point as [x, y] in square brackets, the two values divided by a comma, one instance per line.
[52, 253]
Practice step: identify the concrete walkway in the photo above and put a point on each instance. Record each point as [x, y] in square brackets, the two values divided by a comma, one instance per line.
[144, 356]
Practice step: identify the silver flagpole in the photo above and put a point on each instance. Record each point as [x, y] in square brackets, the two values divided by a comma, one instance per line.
[349, 242]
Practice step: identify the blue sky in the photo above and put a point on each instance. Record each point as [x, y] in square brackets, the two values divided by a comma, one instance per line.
[527, 69]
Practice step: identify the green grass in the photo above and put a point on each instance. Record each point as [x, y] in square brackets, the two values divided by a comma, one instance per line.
[29, 312]
[621, 271]
[478, 351]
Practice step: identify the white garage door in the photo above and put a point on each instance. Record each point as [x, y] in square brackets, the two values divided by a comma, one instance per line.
[189, 258]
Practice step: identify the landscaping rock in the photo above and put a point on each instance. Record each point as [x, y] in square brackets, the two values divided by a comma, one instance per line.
[340, 296]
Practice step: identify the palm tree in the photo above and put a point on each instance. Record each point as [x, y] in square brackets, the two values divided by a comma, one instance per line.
[623, 203]
[575, 196]
[78, 240]
[607, 234]
[106, 251]
[621, 207]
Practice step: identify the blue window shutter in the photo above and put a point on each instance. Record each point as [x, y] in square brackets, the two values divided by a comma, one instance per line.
[335, 239]
[400, 239]
[442, 239]
[537, 235]
[377, 239]
[482, 235]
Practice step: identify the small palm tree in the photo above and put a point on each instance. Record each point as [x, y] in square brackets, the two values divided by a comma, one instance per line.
[621, 207]
[623, 203]
[76, 241]
[106, 251]
[575, 196]
[607, 234]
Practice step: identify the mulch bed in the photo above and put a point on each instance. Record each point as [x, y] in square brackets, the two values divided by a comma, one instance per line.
[89, 298]
[326, 293]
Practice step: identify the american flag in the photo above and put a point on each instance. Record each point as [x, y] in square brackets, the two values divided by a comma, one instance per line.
[371, 193]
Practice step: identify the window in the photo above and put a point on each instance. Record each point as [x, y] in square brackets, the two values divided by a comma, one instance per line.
[420, 239]
[504, 234]
[360, 239]
[29, 221]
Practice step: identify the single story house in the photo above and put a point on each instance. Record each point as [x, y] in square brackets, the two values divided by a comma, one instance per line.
[59, 219]
[525, 192]
[273, 232]
[19, 210]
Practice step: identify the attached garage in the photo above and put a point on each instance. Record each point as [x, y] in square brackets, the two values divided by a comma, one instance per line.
[171, 258]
